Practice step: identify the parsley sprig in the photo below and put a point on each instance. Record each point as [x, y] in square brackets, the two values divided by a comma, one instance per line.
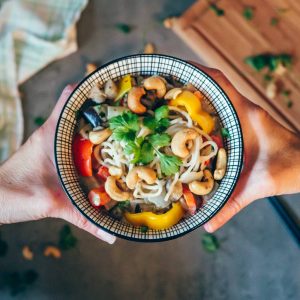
[159, 122]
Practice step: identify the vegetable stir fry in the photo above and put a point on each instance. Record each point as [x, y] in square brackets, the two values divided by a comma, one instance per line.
[148, 150]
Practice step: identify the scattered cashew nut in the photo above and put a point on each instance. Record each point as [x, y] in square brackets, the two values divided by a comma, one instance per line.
[221, 164]
[114, 191]
[97, 94]
[180, 140]
[27, 253]
[99, 136]
[52, 251]
[202, 187]
[144, 173]
[156, 83]
[173, 93]
[134, 100]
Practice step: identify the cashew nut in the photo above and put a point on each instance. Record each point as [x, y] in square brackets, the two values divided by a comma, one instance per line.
[98, 137]
[144, 173]
[27, 253]
[177, 191]
[115, 171]
[52, 251]
[134, 100]
[114, 191]
[221, 164]
[156, 83]
[173, 93]
[110, 89]
[202, 187]
[180, 140]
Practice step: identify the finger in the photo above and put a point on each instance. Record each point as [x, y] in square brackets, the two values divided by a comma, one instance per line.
[67, 91]
[73, 216]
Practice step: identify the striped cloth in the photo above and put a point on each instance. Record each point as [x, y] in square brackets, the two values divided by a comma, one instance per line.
[33, 33]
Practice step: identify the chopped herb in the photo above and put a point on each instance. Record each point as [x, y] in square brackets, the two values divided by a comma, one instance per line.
[144, 229]
[216, 9]
[124, 204]
[274, 21]
[260, 61]
[210, 242]
[289, 103]
[169, 163]
[268, 77]
[286, 93]
[3, 248]
[161, 112]
[39, 121]
[225, 133]
[146, 155]
[159, 122]
[248, 13]
[66, 239]
[125, 28]
[159, 140]
[124, 126]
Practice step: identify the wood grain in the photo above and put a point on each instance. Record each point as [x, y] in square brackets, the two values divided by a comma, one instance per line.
[225, 41]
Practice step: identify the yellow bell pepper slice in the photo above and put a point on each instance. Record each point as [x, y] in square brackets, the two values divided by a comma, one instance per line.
[193, 106]
[124, 86]
[155, 221]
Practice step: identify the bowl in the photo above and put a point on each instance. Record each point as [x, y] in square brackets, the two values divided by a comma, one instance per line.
[148, 64]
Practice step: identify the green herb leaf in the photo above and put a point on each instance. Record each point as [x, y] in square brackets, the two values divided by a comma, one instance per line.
[257, 62]
[125, 28]
[144, 229]
[159, 140]
[39, 121]
[150, 122]
[146, 154]
[124, 135]
[169, 163]
[248, 13]
[162, 125]
[210, 242]
[124, 204]
[286, 93]
[66, 239]
[267, 77]
[225, 133]
[289, 103]
[274, 21]
[217, 10]
[161, 112]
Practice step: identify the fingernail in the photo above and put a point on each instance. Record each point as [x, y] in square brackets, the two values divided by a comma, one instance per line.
[208, 227]
[106, 237]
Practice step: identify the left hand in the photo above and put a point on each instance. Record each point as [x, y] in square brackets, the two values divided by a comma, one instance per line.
[29, 185]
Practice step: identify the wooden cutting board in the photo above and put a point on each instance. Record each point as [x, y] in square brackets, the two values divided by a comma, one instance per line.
[225, 41]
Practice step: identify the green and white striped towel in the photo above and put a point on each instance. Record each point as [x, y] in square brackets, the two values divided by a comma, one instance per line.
[33, 33]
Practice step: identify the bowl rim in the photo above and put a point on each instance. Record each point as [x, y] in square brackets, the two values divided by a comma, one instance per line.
[161, 239]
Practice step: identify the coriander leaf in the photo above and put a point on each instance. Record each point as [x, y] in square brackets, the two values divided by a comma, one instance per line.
[274, 21]
[39, 121]
[225, 133]
[289, 103]
[150, 122]
[124, 135]
[218, 11]
[161, 112]
[286, 93]
[124, 204]
[162, 125]
[268, 77]
[257, 62]
[159, 140]
[285, 59]
[127, 120]
[248, 13]
[146, 155]
[66, 239]
[210, 242]
[144, 229]
[125, 28]
[169, 163]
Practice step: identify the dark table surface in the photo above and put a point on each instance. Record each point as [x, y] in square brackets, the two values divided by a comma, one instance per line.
[257, 259]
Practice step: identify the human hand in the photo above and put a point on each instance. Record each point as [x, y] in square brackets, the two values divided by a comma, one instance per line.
[29, 185]
[271, 155]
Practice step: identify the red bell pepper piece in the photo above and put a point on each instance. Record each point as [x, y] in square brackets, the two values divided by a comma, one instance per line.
[218, 140]
[98, 197]
[189, 198]
[82, 155]
[103, 173]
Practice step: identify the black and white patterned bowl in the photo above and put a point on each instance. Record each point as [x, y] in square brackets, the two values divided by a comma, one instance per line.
[147, 65]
